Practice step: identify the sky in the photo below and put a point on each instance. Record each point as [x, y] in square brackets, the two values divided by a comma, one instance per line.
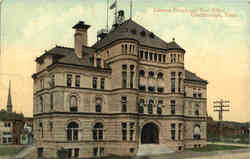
[214, 34]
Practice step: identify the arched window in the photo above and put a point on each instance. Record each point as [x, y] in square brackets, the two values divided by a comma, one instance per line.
[41, 103]
[72, 131]
[142, 82]
[197, 132]
[160, 75]
[140, 107]
[141, 73]
[196, 109]
[150, 106]
[98, 131]
[98, 106]
[151, 74]
[122, 49]
[73, 104]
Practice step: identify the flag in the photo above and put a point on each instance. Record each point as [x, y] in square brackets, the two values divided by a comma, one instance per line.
[113, 5]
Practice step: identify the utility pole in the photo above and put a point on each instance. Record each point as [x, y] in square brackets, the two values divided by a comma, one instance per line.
[221, 106]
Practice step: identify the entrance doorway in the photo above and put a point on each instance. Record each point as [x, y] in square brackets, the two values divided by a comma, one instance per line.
[150, 134]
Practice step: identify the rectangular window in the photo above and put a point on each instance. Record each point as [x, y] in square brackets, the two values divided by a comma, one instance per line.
[151, 89]
[146, 55]
[179, 133]
[173, 131]
[77, 82]
[51, 101]
[160, 89]
[41, 129]
[124, 131]
[41, 83]
[164, 58]
[141, 54]
[40, 152]
[199, 95]
[95, 151]
[94, 82]
[132, 124]
[69, 153]
[124, 104]
[53, 81]
[124, 76]
[173, 82]
[69, 80]
[98, 62]
[76, 153]
[91, 60]
[132, 79]
[155, 57]
[179, 82]
[172, 104]
[102, 83]
[101, 151]
[150, 56]
[159, 57]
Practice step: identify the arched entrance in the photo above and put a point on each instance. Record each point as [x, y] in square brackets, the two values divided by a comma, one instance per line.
[150, 134]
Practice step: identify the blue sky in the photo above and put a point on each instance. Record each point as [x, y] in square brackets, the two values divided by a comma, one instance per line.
[217, 47]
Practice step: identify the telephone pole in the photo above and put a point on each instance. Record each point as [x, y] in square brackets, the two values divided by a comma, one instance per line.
[221, 106]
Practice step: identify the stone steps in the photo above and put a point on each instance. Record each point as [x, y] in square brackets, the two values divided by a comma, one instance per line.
[153, 149]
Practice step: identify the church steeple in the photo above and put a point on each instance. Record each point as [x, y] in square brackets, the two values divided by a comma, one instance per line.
[9, 103]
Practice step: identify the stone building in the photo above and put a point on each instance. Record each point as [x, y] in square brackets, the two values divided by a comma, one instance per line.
[129, 88]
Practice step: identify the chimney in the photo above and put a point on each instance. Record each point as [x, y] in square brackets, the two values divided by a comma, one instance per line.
[81, 37]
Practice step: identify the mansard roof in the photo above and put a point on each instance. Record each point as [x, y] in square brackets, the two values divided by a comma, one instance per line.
[193, 77]
[132, 30]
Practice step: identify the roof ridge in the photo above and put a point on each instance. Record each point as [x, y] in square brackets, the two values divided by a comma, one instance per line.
[58, 46]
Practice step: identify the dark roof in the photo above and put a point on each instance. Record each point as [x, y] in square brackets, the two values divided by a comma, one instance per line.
[81, 25]
[192, 76]
[131, 30]
[174, 46]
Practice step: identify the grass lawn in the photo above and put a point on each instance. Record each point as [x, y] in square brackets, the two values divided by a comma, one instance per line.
[214, 147]
[9, 151]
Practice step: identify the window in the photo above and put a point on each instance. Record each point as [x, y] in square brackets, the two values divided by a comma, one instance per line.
[132, 76]
[91, 60]
[159, 57]
[101, 151]
[51, 101]
[126, 48]
[69, 153]
[151, 75]
[132, 124]
[98, 151]
[130, 48]
[77, 82]
[164, 58]
[179, 133]
[72, 131]
[146, 55]
[172, 105]
[173, 82]
[76, 153]
[196, 111]
[185, 93]
[73, 104]
[179, 82]
[94, 82]
[95, 151]
[102, 83]
[124, 131]
[155, 57]
[41, 103]
[53, 81]
[150, 106]
[98, 63]
[142, 73]
[124, 76]
[41, 128]
[98, 107]
[51, 127]
[141, 104]
[159, 106]
[197, 132]
[98, 131]
[151, 88]
[174, 58]
[160, 75]
[141, 54]
[69, 80]
[122, 49]
[124, 104]
[40, 152]
[150, 56]
[194, 93]
[173, 131]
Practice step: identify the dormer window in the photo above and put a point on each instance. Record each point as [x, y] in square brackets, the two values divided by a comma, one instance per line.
[143, 33]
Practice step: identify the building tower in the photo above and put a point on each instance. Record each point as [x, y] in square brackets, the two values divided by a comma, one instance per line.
[9, 103]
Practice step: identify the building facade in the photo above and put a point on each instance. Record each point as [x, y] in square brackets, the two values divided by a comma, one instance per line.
[129, 88]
